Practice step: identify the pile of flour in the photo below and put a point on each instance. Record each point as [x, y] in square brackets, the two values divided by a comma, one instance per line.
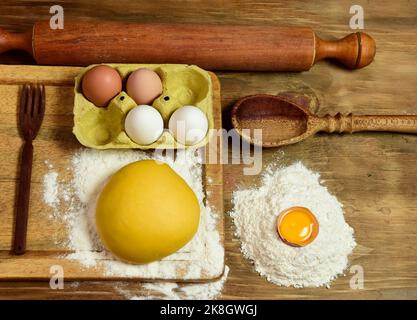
[255, 212]
[77, 201]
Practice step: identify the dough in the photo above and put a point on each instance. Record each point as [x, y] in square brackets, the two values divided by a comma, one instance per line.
[146, 211]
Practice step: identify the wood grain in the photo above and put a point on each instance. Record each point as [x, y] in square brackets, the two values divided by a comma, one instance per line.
[47, 237]
[372, 174]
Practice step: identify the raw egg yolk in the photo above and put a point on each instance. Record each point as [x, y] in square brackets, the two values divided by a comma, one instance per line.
[297, 226]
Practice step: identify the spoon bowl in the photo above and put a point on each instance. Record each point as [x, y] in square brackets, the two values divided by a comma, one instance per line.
[281, 121]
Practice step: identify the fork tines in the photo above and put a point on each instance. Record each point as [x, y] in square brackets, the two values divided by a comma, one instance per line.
[32, 109]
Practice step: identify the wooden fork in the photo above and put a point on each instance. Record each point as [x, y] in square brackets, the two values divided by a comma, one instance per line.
[31, 112]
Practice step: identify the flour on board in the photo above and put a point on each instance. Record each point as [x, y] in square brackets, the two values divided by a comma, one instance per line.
[174, 291]
[90, 170]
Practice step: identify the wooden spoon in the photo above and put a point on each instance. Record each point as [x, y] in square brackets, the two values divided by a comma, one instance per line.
[284, 122]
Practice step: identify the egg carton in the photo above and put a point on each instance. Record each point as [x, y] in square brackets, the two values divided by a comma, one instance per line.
[103, 128]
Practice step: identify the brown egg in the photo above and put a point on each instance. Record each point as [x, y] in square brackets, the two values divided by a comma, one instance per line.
[101, 84]
[144, 86]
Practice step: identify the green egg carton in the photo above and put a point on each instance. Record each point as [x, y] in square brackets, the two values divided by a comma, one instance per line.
[103, 128]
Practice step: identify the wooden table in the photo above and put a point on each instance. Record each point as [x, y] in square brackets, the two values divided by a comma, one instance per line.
[373, 175]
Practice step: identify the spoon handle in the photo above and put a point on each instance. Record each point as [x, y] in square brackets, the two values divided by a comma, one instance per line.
[351, 123]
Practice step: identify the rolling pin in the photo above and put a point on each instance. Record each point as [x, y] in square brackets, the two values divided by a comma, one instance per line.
[214, 47]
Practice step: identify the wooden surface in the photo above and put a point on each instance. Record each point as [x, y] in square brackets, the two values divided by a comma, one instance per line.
[46, 237]
[372, 174]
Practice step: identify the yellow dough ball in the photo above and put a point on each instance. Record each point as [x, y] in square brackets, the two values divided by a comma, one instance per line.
[146, 211]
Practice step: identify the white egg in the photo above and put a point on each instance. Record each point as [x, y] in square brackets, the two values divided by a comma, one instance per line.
[188, 125]
[144, 124]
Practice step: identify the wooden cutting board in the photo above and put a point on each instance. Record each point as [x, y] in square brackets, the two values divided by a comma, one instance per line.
[56, 144]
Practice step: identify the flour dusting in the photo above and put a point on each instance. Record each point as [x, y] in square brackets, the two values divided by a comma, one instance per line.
[91, 169]
[50, 195]
[175, 291]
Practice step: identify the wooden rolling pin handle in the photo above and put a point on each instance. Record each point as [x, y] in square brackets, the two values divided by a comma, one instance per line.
[16, 41]
[351, 123]
[355, 51]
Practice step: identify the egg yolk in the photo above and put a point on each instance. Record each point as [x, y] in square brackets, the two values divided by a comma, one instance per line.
[297, 226]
